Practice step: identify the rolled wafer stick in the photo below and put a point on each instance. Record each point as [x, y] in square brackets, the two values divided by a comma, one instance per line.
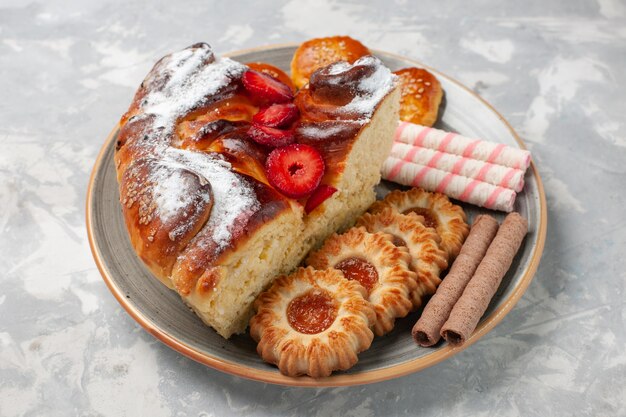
[492, 152]
[462, 188]
[426, 331]
[480, 290]
[472, 168]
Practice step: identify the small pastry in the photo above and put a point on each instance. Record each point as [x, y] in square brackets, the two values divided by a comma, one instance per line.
[375, 262]
[320, 52]
[421, 96]
[447, 219]
[312, 323]
[408, 230]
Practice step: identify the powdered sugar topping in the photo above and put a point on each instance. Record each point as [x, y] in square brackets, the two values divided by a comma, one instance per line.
[232, 196]
[338, 67]
[168, 184]
[178, 84]
[192, 76]
[318, 131]
[371, 89]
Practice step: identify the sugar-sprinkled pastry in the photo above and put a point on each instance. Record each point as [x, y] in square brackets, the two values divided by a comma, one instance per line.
[408, 230]
[447, 219]
[421, 96]
[312, 323]
[218, 200]
[320, 52]
[381, 267]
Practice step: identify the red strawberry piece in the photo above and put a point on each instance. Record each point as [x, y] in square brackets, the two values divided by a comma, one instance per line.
[296, 170]
[266, 88]
[276, 115]
[321, 194]
[269, 136]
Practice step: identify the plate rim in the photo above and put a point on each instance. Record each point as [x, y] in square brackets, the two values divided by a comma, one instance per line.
[335, 380]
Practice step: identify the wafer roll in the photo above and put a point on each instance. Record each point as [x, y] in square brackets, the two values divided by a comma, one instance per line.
[492, 152]
[472, 168]
[485, 282]
[426, 330]
[456, 186]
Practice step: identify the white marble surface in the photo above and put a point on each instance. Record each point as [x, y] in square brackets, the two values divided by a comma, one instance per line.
[68, 69]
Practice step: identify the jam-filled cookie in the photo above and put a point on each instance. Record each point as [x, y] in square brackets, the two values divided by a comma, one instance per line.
[312, 323]
[320, 52]
[408, 230]
[421, 96]
[447, 219]
[377, 264]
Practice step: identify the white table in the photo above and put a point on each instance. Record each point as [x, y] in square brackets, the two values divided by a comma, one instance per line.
[555, 69]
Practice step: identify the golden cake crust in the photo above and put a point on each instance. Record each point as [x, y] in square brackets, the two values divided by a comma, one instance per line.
[449, 220]
[408, 230]
[391, 285]
[316, 353]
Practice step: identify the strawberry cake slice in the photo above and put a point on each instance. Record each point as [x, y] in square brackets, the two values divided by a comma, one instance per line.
[228, 178]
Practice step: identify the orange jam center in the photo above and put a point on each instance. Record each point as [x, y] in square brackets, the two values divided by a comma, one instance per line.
[398, 241]
[312, 312]
[430, 219]
[360, 270]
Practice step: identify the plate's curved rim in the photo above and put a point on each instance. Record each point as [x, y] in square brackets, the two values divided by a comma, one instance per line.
[366, 377]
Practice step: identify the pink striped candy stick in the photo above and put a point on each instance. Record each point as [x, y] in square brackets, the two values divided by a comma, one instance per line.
[492, 152]
[461, 188]
[472, 168]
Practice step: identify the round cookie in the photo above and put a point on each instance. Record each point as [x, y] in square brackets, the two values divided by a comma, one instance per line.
[375, 262]
[449, 220]
[408, 230]
[312, 323]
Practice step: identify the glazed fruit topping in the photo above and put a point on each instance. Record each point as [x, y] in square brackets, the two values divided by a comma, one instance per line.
[430, 219]
[296, 170]
[312, 312]
[265, 88]
[270, 136]
[321, 194]
[272, 71]
[276, 115]
[359, 270]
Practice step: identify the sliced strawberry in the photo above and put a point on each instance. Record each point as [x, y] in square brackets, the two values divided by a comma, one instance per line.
[321, 194]
[269, 136]
[266, 88]
[296, 170]
[272, 71]
[276, 115]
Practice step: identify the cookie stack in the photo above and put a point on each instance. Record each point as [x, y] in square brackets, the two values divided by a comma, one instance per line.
[393, 259]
